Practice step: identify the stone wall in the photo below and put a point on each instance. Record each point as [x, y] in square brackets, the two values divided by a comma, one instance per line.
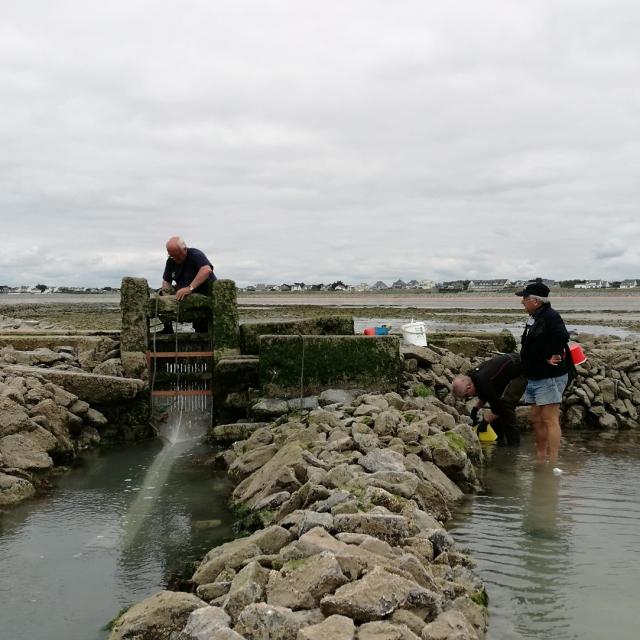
[250, 332]
[355, 362]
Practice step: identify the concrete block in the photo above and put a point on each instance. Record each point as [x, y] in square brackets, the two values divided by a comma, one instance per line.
[351, 362]
[251, 331]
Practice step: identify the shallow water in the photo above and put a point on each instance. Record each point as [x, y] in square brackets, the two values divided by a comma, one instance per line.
[516, 328]
[108, 535]
[560, 556]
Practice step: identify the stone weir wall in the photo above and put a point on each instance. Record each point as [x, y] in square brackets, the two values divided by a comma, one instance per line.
[348, 495]
[349, 501]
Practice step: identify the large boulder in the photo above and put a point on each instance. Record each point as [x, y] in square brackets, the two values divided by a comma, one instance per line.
[13, 417]
[377, 595]
[302, 583]
[156, 617]
[263, 621]
[28, 450]
[234, 554]
[14, 490]
[333, 628]
[274, 476]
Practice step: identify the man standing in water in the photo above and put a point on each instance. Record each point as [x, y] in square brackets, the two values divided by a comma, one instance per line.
[192, 272]
[498, 382]
[546, 363]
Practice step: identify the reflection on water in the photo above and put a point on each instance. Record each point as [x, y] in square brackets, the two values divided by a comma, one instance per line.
[560, 555]
[109, 535]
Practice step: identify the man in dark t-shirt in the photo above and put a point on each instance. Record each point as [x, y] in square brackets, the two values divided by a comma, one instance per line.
[498, 382]
[191, 271]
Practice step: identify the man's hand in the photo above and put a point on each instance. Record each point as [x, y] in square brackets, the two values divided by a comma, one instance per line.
[181, 294]
[482, 427]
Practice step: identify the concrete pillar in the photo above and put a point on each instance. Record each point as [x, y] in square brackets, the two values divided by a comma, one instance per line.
[134, 337]
[226, 334]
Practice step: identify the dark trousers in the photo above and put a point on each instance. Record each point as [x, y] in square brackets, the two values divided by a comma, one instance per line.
[505, 425]
[199, 326]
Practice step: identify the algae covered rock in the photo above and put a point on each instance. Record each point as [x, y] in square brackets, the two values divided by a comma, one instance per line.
[156, 617]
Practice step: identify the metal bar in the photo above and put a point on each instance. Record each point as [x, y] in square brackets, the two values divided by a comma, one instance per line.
[180, 354]
[166, 393]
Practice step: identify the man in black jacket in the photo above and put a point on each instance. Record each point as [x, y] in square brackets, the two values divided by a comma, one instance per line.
[546, 363]
[499, 383]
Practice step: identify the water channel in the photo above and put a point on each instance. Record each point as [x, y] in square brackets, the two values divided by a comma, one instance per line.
[109, 534]
[560, 556]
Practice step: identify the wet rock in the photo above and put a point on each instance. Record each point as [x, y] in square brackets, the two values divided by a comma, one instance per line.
[244, 465]
[324, 417]
[274, 476]
[303, 404]
[226, 433]
[208, 622]
[89, 437]
[302, 583]
[365, 442]
[335, 396]
[382, 460]
[95, 418]
[385, 631]
[377, 595]
[378, 522]
[268, 622]
[28, 450]
[13, 417]
[333, 628]
[247, 587]
[268, 408]
[14, 490]
[448, 625]
[447, 453]
[233, 554]
[111, 367]
[475, 614]
[156, 616]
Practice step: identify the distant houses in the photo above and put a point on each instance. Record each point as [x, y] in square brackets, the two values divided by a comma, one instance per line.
[592, 284]
[488, 285]
[450, 286]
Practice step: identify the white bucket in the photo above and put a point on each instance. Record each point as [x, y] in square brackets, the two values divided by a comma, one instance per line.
[415, 333]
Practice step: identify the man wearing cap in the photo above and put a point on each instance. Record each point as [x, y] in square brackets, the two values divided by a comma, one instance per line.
[499, 383]
[546, 363]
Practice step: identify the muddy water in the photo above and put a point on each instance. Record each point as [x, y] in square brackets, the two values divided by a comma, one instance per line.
[560, 556]
[110, 534]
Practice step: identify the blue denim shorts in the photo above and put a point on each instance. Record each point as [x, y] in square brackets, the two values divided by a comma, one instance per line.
[545, 391]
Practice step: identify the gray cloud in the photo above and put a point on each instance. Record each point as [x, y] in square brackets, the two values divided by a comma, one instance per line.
[316, 141]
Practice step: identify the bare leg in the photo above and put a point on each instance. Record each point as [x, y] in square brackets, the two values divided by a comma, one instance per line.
[550, 417]
[540, 431]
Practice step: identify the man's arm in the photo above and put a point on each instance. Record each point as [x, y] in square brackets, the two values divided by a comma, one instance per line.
[201, 276]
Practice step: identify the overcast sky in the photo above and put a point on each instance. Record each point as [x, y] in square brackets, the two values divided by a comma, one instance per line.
[311, 141]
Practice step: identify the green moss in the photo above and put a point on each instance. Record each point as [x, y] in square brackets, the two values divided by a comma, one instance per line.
[480, 597]
[109, 626]
[368, 420]
[324, 361]
[422, 391]
[456, 440]
[292, 565]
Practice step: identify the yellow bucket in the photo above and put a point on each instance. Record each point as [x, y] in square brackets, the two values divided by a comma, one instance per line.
[489, 435]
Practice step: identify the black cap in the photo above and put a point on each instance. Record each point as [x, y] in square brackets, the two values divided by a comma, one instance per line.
[535, 289]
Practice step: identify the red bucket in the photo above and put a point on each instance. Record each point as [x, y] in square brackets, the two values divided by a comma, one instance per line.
[577, 354]
[370, 331]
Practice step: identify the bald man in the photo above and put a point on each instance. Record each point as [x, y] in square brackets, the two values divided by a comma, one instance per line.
[191, 271]
[500, 383]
